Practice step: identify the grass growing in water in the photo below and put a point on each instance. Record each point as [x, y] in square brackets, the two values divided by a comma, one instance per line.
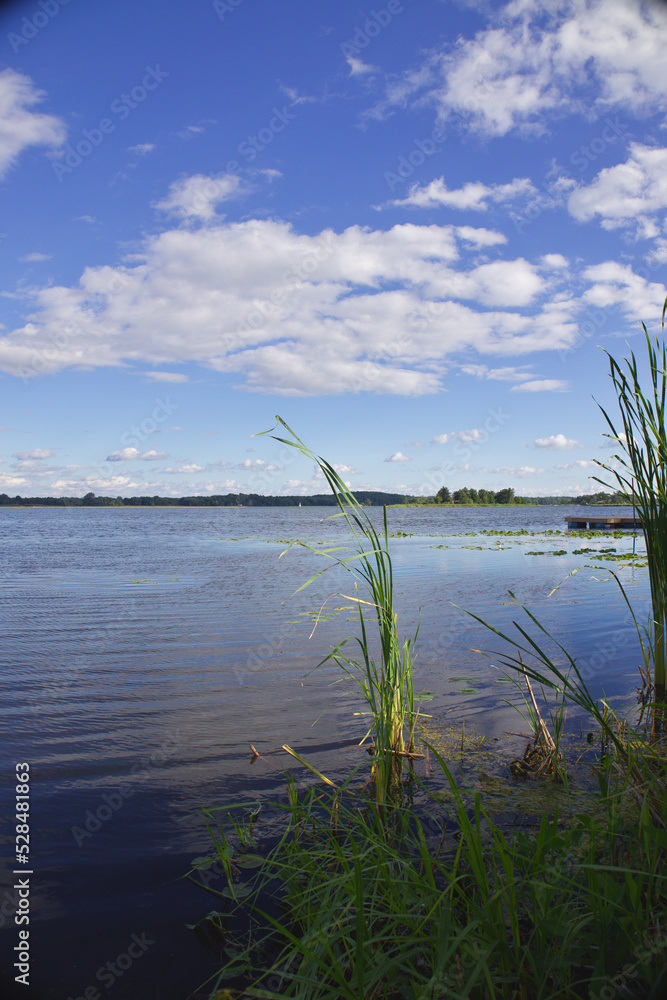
[357, 901]
[427, 912]
[387, 685]
[642, 477]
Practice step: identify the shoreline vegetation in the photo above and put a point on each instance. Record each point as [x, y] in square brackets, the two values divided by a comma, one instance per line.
[372, 892]
[401, 880]
[466, 497]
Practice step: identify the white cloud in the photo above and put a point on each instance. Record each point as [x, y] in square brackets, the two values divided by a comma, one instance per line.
[187, 468]
[131, 454]
[21, 127]
[506, 374]
[35, 257]
[541, 385]
[465, 437]
[195, 197]
[506, 283]
[556, 441]
[295, 97]
[270, 173]
[166, 377]
[358, 311]
[479, 237]
[398, 456]
[556, 261]
[474, 195]
[534, 57]
[143, 148]
[190, 130]
[579, 464]
[522, 471]
[37, 453]
[615, 284]
[9, 482]
[359, 68]
[628, 194]
[257, 463]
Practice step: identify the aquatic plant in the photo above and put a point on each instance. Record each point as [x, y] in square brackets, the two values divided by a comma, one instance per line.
[642, 476]
[387, 684]
[348, 905]
[441, 908]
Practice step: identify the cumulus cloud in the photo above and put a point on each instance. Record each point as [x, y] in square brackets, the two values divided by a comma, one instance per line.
[465, 437]
[257, 463]
[195, 197]
[629, 194]
[398, 456]
[556, 261]
[142, 148]
[187, 468]
[20, 126]
[131, 454]
[479, 237]
[525, 66]
[474, 195]
[556, 441]
[358, 311]
[615, 284]
[10, 482]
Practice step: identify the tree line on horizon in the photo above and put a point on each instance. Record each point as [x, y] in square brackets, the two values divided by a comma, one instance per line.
[466, 496]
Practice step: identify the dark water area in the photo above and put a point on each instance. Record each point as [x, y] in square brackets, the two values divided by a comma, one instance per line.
[144, 649]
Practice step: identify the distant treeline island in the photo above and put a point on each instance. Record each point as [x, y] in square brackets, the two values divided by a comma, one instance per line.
[464, 497]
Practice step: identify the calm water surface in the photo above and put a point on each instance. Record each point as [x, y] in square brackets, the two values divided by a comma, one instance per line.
[144, 649]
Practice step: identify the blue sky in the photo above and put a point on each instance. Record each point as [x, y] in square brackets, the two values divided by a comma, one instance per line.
[406, 228]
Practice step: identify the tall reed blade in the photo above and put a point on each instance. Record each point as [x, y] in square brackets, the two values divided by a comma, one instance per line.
[641, 475]
[387, 686]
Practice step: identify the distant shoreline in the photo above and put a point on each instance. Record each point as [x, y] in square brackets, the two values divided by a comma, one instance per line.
[366, 498]
[260, 506]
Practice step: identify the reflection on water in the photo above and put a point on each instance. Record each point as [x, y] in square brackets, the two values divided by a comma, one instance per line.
[144, 649]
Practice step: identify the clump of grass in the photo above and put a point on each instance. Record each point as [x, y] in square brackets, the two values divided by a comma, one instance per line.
[642, 476]
[386, 684]
[342, 909]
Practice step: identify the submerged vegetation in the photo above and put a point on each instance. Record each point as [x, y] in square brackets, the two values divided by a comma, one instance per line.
[393, 885]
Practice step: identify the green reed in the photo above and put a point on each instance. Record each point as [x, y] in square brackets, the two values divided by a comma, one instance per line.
[445, 907]
[642, 476]
[386, 683]
[435, 905]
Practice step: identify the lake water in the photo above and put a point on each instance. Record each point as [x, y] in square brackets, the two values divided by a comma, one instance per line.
[144, 649]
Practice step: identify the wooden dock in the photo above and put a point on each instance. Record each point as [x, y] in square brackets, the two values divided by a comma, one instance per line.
[594, 522]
